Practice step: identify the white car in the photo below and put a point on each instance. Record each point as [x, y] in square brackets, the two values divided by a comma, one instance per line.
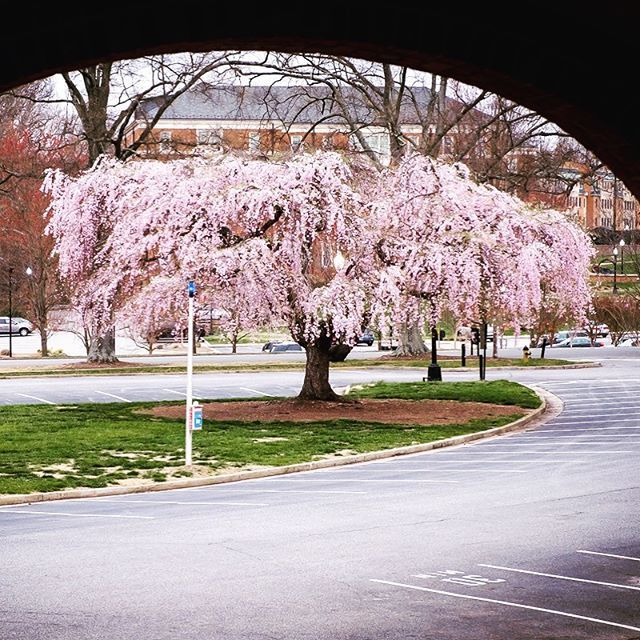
[18, 325]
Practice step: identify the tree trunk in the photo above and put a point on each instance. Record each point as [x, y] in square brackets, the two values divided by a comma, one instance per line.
[103, 348]
[410, 342]
[44, 347]
[316, 376]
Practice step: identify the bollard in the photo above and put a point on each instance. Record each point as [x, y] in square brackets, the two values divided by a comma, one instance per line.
[544, 346]
[463, 355]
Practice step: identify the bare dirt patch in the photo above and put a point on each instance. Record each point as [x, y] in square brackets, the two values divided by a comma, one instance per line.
[423, 412]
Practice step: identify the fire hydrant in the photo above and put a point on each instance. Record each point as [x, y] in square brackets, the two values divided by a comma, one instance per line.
[525, 353]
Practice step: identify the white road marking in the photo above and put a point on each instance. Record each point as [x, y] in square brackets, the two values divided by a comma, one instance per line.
[360, 480]
[561, 423]
[599, 415]
[572, 437]
[546, 444]
[260, 393]
[460, 470]
[614, 403]
[282, 491]
[508, 604]
[113, 395]
[224, 503]
[552, 575]
[498, 460]
[585, 429]
[24, 395]
[608, 555]
[71, 515]
[180, 393]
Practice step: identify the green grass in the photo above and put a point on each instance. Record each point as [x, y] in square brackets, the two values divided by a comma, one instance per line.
[494, 392]
[48, 448]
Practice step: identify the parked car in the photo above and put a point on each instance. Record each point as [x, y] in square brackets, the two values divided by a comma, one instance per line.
[18, 325]
[267, 346]
[366, 338]
[563, 336]
[579, 341]
[280, 347]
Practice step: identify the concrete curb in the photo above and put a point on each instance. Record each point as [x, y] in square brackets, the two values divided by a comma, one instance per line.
[551, 406]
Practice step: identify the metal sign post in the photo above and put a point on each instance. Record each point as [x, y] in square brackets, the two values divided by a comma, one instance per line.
[191, 290]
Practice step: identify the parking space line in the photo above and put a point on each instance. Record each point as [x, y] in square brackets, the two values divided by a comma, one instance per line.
[113, 395]
[30, 512]
[573, 437]
[585, 429]
[508, 604]
[608, 555]
[401, 470]
[180, 393]
[312, 480]
[280, 491]
[24, 395]
[221, 502]
[260, 393]
[552, 575]
[547, 444]
[562, 423]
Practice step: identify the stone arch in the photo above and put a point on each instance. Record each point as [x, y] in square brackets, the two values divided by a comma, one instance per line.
[574, 67]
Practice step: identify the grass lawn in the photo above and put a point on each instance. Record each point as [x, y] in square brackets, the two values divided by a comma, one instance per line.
[48, 448]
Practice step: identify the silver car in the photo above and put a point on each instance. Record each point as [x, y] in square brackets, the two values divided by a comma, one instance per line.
[18, 325]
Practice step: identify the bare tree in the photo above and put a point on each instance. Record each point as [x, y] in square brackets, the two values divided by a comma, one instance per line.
[105, 99]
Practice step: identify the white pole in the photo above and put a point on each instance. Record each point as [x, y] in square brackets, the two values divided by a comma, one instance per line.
[187, 425]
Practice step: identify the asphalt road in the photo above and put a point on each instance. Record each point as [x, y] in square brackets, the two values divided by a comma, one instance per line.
[528, 536]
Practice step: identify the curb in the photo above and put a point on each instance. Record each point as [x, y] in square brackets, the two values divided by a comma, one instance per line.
[551, 405]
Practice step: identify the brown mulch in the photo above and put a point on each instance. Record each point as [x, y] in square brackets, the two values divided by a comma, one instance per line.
[424, 412]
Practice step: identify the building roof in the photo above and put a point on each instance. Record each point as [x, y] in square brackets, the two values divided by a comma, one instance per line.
[289, 104]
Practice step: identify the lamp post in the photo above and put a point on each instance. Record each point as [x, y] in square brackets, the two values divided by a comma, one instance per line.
[10, 312]
[615, 269]
[434, 372]
[622, 243]
[191, 291]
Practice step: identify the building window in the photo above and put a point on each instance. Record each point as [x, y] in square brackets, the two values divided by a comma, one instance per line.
[165, 141]
[296, 143]
[378, 142]
[254, 141]
[208, 136]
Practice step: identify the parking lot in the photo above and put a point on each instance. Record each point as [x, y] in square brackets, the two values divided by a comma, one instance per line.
[533, 535]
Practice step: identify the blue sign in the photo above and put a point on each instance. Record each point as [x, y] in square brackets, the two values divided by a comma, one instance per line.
[191, 288]
[196, 418]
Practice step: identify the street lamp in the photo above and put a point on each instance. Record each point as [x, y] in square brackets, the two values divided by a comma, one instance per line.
[622, 243]
[10, 312]
[191, 292]
[615, 269]
[434, 373]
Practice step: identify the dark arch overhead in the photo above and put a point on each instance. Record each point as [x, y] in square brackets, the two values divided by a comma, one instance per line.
[575, 66]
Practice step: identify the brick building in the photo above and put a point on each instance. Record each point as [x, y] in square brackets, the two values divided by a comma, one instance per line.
[272, 120]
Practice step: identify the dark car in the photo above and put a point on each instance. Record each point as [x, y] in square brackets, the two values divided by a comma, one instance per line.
[366, 338]
[267, 346]
[280, 347]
